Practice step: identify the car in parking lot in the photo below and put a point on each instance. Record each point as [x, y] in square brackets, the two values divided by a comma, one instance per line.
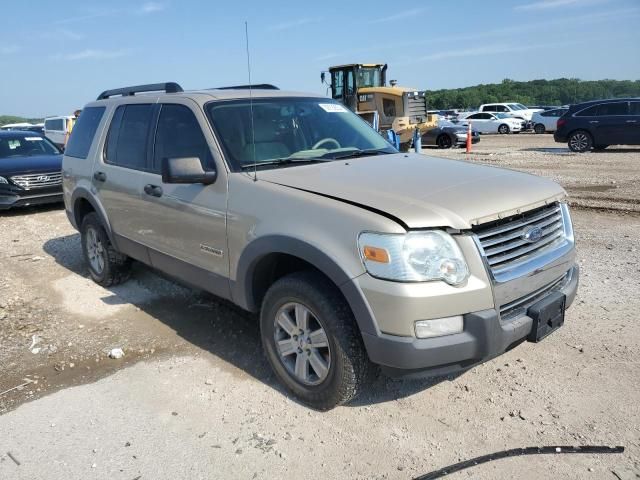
[600, 123]
[30, 170]
[351, 253]
[485, 122]
[546, 121]
[447, 135]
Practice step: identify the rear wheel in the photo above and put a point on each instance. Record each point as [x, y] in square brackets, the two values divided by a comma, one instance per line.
[444, 141]
[312, 342]
[107, 266]
[539, 128]
[580, 141]
[503, 129]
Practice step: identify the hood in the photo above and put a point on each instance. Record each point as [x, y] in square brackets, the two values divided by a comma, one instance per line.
[34, 164]
[421, 191]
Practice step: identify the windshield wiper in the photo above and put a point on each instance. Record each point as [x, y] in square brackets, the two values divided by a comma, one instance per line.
[285, 161]
[361, 153]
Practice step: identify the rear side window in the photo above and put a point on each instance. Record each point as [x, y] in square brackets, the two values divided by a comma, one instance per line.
[54, 124]
[83, 132]
[634, 108]
[179, 135]
[128, 133]
[589, 112]
[617, 108]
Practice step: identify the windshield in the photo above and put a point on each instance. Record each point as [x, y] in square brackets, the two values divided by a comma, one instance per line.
[291, 128]
[516, 106]
[369, 77]
[502, 115]
[26, 146]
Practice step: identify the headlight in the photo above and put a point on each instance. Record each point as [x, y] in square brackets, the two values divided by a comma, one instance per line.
[413, 257]
[4, 180]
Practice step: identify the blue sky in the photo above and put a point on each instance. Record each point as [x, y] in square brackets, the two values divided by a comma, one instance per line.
[56, 56]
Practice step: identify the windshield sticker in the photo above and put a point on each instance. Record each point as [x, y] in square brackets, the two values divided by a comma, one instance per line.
[332, 107]
[33, 139]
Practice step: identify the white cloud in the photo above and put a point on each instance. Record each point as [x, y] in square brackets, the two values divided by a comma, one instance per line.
[91, 54]
[294, 24]
[151, 7]
[9, 49]
[490, 50]
[399, 16]
[550, 4]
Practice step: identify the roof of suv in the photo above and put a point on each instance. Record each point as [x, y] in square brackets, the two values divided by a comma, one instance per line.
[155, 91]
[603, 100]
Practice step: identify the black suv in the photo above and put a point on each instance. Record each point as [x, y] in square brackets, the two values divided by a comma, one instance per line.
[600, 123]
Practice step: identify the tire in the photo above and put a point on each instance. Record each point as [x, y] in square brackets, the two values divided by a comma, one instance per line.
[444, 141]
[539, 128]
[580, 141]
[107, 266]
[600, 147]
[345, 367]
[503, 129]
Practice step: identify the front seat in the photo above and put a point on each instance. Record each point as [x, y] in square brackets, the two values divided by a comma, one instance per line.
[267, 143]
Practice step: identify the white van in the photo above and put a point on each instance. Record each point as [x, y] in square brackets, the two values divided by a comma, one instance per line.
[57, 129]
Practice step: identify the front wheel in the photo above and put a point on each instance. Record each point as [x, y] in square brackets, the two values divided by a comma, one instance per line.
[539, 128]
[312, 342]
[580, 141]
[503, 129]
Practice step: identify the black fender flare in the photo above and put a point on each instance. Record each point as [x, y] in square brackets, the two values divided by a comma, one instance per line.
[83, 193]
[242, 288]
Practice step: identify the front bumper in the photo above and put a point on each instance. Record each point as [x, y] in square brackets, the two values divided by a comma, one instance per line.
[462, 139]
[485, 336]
[11, 200]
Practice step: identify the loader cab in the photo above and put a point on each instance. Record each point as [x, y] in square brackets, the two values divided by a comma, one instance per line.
[347, 79]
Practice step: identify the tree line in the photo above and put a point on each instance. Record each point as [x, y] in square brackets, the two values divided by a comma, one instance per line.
[562, 91]
[6, 119]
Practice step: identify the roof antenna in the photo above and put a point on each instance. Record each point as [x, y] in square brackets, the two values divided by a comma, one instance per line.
[253, 133]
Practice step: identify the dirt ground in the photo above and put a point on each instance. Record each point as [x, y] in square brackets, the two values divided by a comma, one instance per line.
[193, 396]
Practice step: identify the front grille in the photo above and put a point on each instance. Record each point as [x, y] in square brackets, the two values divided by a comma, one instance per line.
[38, 180]
[505, 245]
[519, 306]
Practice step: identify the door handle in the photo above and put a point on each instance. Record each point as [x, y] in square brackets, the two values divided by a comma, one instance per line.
[153, 190]
[632, 121]
[594, 121]
[100, 176]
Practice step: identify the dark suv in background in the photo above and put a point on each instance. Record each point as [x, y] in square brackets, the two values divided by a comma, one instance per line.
[600, 123]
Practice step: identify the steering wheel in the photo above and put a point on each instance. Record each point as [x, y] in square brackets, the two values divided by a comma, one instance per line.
[326, 140]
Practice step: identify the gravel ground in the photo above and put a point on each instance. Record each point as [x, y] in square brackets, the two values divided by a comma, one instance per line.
[198, 400]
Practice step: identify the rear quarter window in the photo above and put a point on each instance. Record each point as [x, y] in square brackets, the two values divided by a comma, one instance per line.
[83, 132]
[54, 124]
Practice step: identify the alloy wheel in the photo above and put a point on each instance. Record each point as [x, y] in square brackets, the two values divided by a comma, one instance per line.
[579, 142]
[302, 343]
[95, 250]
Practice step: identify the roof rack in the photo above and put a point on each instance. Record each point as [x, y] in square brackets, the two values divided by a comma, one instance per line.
[259, 86]
[168, 87]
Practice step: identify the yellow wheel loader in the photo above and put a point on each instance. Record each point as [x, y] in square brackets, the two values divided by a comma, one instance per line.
[362, 87]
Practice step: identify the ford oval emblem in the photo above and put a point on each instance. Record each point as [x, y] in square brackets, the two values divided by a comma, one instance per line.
[532, 234]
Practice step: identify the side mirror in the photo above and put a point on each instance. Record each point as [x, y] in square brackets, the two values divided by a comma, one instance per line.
[186, 170]
[322, 77]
